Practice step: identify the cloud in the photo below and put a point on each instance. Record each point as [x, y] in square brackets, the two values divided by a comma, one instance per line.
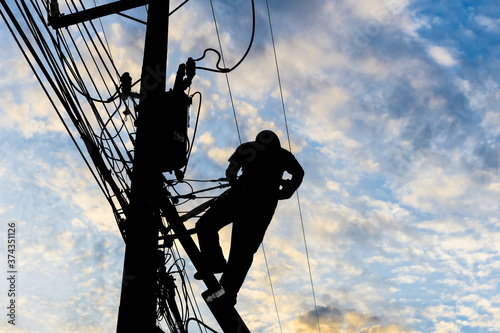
[28, 117]
[408, 279]
[446, 327]
[491, 24]
[247, 110]
[491, 122]
[391, 108]
[14, 68]
[448, 226]
[333, 186]
[55, 252]
[333, 319]
[379, 12]
[435, 189]
[442, 56]
[75, 184]
[206, 139]
[220, 156]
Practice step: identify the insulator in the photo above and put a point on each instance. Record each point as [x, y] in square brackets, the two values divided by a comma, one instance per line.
[190, 68]
[126, 81]
[54, 8]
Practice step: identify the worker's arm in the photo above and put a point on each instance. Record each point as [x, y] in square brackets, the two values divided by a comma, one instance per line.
[244, 154]
[232, 171]
[288, 187]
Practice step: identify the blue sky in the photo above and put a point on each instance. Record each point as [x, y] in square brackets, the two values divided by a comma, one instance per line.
[392, 109]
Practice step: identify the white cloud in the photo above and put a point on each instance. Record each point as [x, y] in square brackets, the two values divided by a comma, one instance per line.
[375, 67]
[220, 156]
[370, 165]
[30, 116]
[15, 66]
[206, 139]
[492, 24]
[324, 123]
[247, 110]
[255, 125]
[66, 240]
[447, 327]
[379, 259]
[71, 181]
[380, 10]
[4, 209]
[408, 279]
[444, 227]
[333, 186]
[442, 56]
[434, 190]
[440, 311]
[491, 122]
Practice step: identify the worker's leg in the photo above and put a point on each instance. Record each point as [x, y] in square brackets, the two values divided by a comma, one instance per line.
[207, 228]
[244, 244]
[247, 235]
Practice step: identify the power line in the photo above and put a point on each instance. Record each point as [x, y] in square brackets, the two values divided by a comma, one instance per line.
[67, 83]
[38, 61]
[272, 289]
[290, 147]
[227, 77]
[64, 74]
[239, 137]
[279, 76]
[228, 70]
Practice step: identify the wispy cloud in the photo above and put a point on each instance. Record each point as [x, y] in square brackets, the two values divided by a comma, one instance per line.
[392, 111]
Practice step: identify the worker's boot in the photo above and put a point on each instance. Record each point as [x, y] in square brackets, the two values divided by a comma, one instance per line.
[216, 268]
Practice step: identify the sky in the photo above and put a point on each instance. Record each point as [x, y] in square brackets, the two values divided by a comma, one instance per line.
[393, 111]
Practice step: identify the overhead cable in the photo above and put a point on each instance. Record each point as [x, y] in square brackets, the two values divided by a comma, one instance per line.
[220, 55]
[290, 147]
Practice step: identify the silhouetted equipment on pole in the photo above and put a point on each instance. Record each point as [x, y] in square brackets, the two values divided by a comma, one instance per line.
[161, 145]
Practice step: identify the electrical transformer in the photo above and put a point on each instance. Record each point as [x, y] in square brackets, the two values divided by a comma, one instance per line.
[170, 126]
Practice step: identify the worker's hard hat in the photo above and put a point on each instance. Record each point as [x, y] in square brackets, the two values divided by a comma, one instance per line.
[268, 138]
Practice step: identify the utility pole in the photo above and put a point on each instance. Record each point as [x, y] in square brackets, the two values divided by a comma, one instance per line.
[148, 199]
[137, 312]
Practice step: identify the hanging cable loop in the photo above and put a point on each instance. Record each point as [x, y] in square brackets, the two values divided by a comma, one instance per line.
[228, 70]
[219, 59]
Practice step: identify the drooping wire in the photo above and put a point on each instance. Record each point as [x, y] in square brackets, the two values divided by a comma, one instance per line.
[220, 55]
[53, 59]
[38, 61]
[61, 88]
[195, 130]
[200, 323]
[97, 116]
[290, 147]
[67, 89]
[78, 78]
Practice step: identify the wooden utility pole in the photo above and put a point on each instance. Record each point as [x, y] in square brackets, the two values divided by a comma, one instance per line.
[137, 312]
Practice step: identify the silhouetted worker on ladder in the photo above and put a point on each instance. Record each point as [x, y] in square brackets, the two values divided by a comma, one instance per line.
[249, 205]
